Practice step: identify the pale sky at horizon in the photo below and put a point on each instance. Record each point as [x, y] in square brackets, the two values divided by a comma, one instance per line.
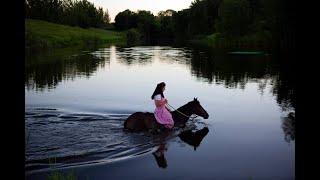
[154, 6]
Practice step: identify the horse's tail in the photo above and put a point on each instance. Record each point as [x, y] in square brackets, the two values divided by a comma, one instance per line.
[125, 124]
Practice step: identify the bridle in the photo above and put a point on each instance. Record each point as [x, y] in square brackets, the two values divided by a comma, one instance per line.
[182, 113]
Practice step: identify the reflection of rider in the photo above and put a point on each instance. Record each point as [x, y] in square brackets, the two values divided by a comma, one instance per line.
[159, 155]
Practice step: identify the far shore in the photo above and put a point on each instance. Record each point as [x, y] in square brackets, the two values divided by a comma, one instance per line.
[43, 35]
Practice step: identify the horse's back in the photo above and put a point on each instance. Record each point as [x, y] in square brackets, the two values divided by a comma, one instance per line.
[139, 121]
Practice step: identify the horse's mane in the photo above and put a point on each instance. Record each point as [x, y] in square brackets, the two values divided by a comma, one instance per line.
[186, 106]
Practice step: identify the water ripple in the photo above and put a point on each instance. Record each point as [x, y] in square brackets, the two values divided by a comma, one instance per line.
[72, 139]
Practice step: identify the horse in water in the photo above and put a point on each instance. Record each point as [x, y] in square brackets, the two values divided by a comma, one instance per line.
[139, 121]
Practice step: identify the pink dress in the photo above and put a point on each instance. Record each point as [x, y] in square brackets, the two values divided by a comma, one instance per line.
[162, 115]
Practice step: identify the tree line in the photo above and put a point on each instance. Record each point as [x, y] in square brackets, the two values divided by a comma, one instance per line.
[249, 22]
[69, 12]
[244, 21]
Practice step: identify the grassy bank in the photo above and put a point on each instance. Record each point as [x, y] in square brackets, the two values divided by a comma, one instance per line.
[46, 35]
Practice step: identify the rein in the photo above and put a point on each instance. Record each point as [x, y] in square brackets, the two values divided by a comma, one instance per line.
[182, 113]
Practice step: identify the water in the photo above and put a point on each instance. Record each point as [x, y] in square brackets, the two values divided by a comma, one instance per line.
[77, 101]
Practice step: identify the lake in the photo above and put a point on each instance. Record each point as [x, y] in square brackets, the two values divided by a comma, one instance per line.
[76, 102]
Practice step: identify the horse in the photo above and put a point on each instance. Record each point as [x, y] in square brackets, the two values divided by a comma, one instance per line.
[140, 121]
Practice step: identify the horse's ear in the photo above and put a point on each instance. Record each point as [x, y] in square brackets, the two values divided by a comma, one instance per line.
[194, 99]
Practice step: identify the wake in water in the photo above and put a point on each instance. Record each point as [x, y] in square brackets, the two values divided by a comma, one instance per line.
[65, 139]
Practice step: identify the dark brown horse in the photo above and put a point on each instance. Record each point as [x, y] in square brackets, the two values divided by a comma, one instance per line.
[139, 121]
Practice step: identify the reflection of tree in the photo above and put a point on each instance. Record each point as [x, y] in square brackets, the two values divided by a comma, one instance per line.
[284, 89]
[288, 126]
[46, 71]
[233, 71]
[131, 56]
[236, 71]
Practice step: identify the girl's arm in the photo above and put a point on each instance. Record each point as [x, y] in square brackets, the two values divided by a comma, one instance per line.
[160, 103]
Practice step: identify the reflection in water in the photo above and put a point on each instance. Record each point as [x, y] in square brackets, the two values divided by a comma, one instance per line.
[135, 55]
[284, 90]
[159, 155]
[235, 71]
[91, 130]
[232, 71]
[192, 138]
[288, 126]
[46, 71]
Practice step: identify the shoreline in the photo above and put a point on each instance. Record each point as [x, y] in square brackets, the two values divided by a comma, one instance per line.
[42, 35]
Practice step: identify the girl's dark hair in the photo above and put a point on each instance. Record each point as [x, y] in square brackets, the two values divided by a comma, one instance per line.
[158, 90]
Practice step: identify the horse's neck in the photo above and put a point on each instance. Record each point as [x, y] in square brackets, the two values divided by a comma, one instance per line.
[182, 114]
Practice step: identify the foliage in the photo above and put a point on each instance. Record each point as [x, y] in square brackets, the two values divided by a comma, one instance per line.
[125, 20]
[70, 12]
[215, 40]
[42, 34]
[234, 18]
[166, 23]
[181, 19]
[147, 25]
[133, 37]
[55, 175]
[240, 22]
[203, 15]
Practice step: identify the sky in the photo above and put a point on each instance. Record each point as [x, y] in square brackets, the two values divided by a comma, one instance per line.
[154, 6]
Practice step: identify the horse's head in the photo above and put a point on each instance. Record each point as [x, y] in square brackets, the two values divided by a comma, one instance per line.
[198, 109]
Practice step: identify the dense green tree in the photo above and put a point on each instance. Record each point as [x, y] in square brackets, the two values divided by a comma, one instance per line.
[181, 24]
[71, 12]
[202, 16]
[234, 18]
[49, 10]
[106, 17]
[240, 20]
[125, 20]
[166, 22]
[147, 25]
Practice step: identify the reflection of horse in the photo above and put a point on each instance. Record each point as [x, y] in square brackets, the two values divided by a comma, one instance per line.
[192, 138]
[145, 121]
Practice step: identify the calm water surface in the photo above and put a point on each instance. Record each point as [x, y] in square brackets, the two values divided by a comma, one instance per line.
[76, 103]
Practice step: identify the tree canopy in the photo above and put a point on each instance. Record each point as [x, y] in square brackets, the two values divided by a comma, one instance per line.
[243, 20]
[70, 12]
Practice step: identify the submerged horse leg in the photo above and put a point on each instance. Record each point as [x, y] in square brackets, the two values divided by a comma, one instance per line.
[140, 121]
